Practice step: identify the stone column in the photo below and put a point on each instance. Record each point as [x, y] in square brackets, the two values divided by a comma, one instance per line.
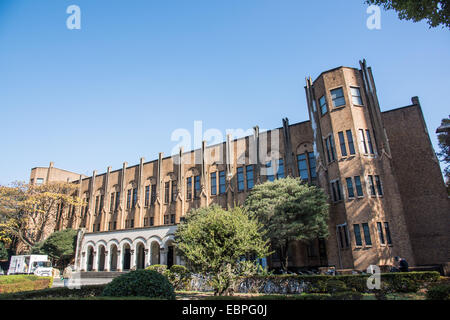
[147, 257]
[107, 261]
[123, 195]
[119, 260]
[132, 259]
[95, 261]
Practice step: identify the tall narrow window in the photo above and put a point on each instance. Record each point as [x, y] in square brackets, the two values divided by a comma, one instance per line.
[342, 143]
[240, 178]
[197, 187]
[129, 199]
[337, 95]
[189, 188]
[350, 190]
[388, 233]
[222, 185]
[134, 197]
[166, 192]
[213, 183]
[153, 195]
[269, 171]
[379, 188]
[116, 207]
[323, 105]
[347, 242]
[333, 190]
[312, 165]
[147, 196]
[341, 238]
[367, 234]
[356, 96]
[371, 186]
[357, 231]
[111, 203]
[302, 166]
[96, 204]
[339, 191]
[174, 190]
[351, 146]
[332, 148]
[362, 141]
[380, 232]
[359, 189]
[369, 141]
[327, 146]
[250, 181]
[280, 171]
[102, 202]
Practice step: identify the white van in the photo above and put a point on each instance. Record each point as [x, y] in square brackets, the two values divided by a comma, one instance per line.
[37, 264]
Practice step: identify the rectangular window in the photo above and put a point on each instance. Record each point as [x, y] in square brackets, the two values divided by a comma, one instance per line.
[129, 199]
[147, 196]
[134, 197]
[189, 188]
[250, 181]
[222, 185]
[369, 142]
[132, 223]
[269, 171]
[166, 192]
[102, 202]
[347, 242]
[333, 149]
[302, 167]
[336, 191]
[327, 147]
[197, 187]
[337, 95]
[323, 105]
[166, 219]
[153, 196]
[350, 190]
[371, 186]
[280, 173]
[388, 233]
[172, 219]
[356, 96]
[240, 178]
[152, 221]
[367, 234]
[312, 165]
[362, 141]
[333, 192]
[145, 222]
[111, 204]
[359, 189]
[380, 232]
[357, 232]
[339, 190]
[116, 207]
[174, 191]
[378, 183]
[114, 225]
[39, 181]
[96, 204]
[213, 183]
[351, 146]
[341, 238]
[342, 143]
[330, 148]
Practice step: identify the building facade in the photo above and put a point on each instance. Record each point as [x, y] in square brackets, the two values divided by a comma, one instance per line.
[387, 195]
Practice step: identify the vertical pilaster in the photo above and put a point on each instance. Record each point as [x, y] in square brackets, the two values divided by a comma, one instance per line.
[89, 218]
[288, 154]
[254, 154]
[122, 205]
[139, 212]
[159, 188]
[230, 160]
[181, 181]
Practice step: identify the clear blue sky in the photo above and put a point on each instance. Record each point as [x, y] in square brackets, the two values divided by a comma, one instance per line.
[137, 70]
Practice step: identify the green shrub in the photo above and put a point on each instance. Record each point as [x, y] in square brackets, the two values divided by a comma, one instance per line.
[346, 295]
[439, 292]
[141, 283]
[179, 276]
[83, 292]
[161, 268]
[19, 283]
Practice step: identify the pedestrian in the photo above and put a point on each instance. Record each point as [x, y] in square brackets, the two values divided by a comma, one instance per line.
[402, 264]
[67, 275]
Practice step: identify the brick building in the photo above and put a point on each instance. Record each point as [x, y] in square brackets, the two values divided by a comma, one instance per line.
[386, 189]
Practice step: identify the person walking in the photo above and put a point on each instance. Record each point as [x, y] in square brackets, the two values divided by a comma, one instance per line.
[67, 275]
[402, 264]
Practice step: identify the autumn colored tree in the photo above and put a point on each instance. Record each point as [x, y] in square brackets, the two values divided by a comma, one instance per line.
[27, 211]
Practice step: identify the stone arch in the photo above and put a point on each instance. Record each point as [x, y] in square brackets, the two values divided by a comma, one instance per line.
[170, 250]
[154, 244]
[90, 257]
[113, 256]
[125, 250]
[140, 255]
[101, 259]
[305, 146]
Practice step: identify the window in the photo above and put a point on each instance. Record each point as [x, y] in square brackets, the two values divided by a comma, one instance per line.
[102, 202]
[380, 232]
[172, 219]
[302, 166]
[312, 166]
[129, 199]
[166, 192]
[342, 143]
[269, 172]
[343, 236]
[329, 143]
[39, 181]
[250, 181]
[378, 183]
[337, 95]
[114, 225]
[336, 191]
[189, 188]
[357, 231]
[96, 204]
[134, 197]
[240, 178]
[213, 183]
[369, 142]
[323, 105]
[145, 222]
[152, 221]
[367, 234]
[132, 223]
[153, 195]
[111, 204]
[174, 191]
[359, 189]
[362, 141]
[166, 219]
[388, 233]
[371, 186]
[222, 186]
[280, 173]
[197, 187]
[147, 196]
[351, 146]
[116, 206]
[350, 190]
[356, 96]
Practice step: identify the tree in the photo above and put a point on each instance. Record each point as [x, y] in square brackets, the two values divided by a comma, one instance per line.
[3, 251]
[289, 210]
[215, 241]
[435, 12]
[59, 246]
[28, 212]
[444, 145]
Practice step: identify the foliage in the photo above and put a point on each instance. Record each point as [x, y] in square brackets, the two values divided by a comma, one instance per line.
[3, 252]
[18, 283]
[214, 240]
[60, 246]
[161, 268]
[178, 276]
[142, 283]
[435, 12]
[27, 210]
[444, 153]
[289, 210]
[439, 292]
[82, 292]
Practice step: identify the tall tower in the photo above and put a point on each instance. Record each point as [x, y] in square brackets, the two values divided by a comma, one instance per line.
[367, 223]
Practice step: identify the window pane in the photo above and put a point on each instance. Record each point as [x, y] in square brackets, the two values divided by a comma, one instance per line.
[362, 141]
[367, 234]
[147, 195]
[332, 148]
[357, 232]
[249, 171]
[342, 143]
[323, 105]
[174, 191]
[371, 186]
[213, 184]
[189, 188]
[351, 146]
[269, 171]
[337, 95]
[351, 193]
[359, 189]
[380, 232]
[280, 173]
[222, 188]
[196, 187]
[356, 96]
[312, 165]
[302, 166]
[166, 192]
[379, 188]
[388, 233]
[240, 178]
[369, 142]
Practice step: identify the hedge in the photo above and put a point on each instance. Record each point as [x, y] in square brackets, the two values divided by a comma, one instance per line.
[439, 292]
[83, 292]
[20, 283]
